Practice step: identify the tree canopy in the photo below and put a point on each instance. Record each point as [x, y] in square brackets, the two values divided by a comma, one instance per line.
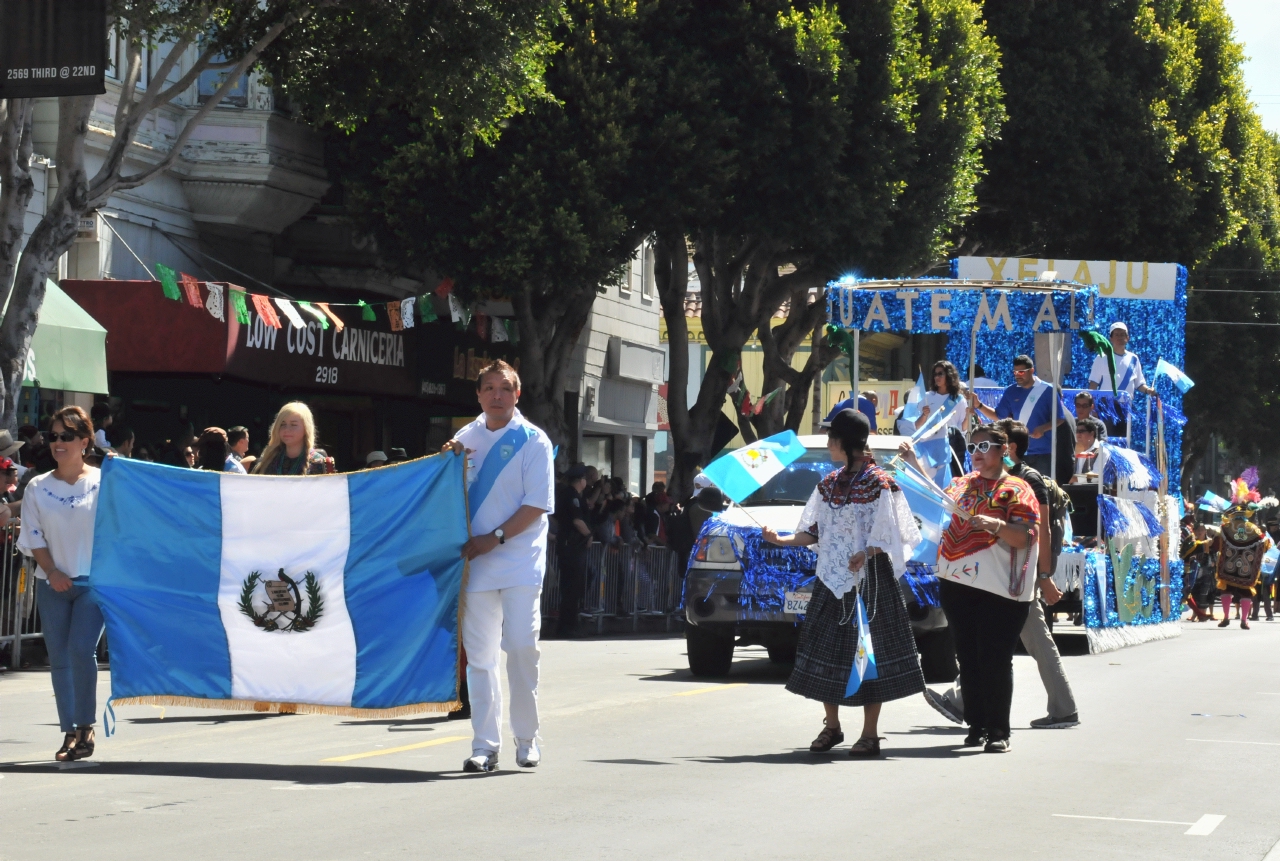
[1131, 136]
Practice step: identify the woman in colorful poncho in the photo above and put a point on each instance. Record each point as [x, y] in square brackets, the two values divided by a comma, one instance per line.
[865, 532]
[986, 576]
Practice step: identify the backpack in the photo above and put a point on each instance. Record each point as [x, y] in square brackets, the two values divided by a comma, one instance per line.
[1059, 509]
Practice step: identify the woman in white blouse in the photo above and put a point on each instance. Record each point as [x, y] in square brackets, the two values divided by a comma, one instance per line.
[865, 533]
[58, 510]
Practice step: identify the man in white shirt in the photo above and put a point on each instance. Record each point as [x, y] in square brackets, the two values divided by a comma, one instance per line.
[1129, 377]
[510, 490]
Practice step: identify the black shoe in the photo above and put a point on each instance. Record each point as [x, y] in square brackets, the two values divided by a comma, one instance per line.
[997, 745]
[975, 738]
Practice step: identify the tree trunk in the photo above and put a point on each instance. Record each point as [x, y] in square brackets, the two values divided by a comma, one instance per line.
[16, 185]
[738, 280]
[671, 278]
[52, 237]
[549, 331]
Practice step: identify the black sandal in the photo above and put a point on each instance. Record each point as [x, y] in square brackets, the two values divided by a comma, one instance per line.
[868, 745]
[84, 743]
[827, 739]
[65, 753]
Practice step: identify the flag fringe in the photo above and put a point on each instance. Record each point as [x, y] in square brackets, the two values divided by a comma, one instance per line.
[288, 708]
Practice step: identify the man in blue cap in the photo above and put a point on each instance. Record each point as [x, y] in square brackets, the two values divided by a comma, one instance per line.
[865, 404]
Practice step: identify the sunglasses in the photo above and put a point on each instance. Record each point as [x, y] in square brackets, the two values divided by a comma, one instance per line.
[65, 436]
[985, 446]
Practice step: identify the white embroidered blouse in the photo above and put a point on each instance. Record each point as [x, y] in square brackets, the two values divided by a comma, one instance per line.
[60, 516]
[850, 513]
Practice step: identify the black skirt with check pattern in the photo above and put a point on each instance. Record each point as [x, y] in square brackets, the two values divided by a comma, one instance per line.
[825, 652]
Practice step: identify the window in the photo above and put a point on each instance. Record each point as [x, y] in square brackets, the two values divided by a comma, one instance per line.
[646, 271]
[635, 482]
[597, 451]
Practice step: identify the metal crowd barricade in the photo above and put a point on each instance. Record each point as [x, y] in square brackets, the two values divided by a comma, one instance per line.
[19, 618]
[623, 581]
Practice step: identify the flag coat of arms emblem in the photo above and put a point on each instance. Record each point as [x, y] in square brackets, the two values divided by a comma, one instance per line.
[334, 594]
[742, 472]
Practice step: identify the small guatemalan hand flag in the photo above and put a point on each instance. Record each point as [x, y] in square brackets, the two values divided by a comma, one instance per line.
[742, 472]
[1176, 375]
[864, 660]
[335, 594]
[914, 400]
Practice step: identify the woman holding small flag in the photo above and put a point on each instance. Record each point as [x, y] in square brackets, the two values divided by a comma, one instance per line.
[986, 576]
[946, 394]
[856, 646]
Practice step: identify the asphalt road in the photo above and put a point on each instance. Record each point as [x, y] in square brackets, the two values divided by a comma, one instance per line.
[643, 761]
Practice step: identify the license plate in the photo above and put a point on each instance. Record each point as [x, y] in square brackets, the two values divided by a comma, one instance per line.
[796, 603]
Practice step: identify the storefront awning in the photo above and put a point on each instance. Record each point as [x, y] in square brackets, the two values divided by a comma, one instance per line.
[150, 334]
[69, 349]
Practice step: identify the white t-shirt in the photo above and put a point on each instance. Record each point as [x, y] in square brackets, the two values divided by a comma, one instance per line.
[60, 516]
[935, 402]
[1100, 375]
[524, 454]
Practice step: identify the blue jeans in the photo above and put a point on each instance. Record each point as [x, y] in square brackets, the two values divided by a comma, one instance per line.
[72, 624]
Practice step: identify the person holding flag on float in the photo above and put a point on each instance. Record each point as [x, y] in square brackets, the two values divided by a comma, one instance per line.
[856, 646]
[510, 490]
[1128, 375]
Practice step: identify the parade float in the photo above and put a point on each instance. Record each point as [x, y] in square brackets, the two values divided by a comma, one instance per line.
[1122, 564]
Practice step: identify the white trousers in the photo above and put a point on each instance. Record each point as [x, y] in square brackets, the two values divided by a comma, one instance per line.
[510, 619]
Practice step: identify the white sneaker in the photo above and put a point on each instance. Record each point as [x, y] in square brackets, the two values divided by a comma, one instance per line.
[943, 706]
[481, 761]
[528, 755]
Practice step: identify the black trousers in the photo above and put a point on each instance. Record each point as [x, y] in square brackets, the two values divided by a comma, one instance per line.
[986, 628]
[572, 561]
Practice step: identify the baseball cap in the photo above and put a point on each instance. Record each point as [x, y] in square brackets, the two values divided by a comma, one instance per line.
[375, 456]
[701, 481]
[1118, 325]
[575, 472]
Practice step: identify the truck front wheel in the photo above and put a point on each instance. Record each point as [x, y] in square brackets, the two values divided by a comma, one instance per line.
[710, 652]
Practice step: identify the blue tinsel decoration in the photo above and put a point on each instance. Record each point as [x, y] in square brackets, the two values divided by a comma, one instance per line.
[1100, 610]
[768, 571]
[1113, 519]
[920, 579]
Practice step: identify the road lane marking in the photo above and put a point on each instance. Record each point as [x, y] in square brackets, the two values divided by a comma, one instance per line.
[1205, 824]
[1119, 819]
[1202, 827]
[709, 690]
[385, 751]
[1233, 741]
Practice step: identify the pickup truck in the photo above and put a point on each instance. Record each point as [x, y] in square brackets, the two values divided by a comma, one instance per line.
[722, 615]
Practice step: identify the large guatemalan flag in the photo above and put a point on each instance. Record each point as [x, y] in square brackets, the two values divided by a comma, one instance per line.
[334, 594]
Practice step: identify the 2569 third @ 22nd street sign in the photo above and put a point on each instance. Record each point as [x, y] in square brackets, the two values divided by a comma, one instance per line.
[52, 48]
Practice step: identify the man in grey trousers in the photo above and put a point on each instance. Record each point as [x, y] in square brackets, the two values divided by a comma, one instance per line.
[1036, 637]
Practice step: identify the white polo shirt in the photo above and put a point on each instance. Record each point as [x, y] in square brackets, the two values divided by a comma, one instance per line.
[508, 468]
[1127, 365]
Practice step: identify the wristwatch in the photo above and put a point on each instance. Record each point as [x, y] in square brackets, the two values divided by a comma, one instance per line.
[500, 535]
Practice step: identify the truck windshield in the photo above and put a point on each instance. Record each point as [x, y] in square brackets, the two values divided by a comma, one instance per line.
[794, 484]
